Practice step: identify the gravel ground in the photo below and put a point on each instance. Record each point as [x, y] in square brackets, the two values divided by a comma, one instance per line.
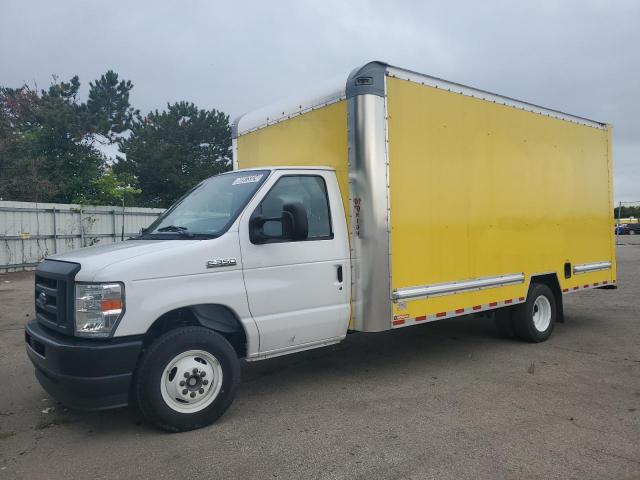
[441, 400]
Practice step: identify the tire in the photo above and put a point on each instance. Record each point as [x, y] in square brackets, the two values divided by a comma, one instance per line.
[632, 232]
[533, 321]
[186, 379]
[503, 318]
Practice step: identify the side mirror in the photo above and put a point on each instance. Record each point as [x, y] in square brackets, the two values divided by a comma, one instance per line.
[295, 221]
[293, 224]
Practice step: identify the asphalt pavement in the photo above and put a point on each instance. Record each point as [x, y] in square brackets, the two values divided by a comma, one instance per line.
[443, 400]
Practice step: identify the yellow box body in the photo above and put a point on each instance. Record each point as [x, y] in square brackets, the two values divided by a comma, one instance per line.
[481, 189]
[476, 189]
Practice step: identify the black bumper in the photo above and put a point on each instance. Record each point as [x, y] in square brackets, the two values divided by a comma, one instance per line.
[83, 374]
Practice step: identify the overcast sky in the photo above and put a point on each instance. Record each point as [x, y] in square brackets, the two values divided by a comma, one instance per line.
[581, 57]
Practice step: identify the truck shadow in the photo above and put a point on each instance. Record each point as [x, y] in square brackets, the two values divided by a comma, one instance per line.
[375, 356]
[428, 346]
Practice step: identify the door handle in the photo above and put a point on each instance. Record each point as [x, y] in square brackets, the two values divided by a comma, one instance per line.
[339, 273]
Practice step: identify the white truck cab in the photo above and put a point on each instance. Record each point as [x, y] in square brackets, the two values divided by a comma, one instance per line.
[434, 200]
[258, 258]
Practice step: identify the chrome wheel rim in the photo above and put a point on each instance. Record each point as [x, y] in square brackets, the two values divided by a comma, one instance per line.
[541, 313]
[191, 381]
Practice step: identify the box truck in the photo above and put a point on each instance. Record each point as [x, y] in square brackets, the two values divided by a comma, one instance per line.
[389, 200]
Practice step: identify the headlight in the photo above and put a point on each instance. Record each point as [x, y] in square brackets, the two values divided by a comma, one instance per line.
[99, 306]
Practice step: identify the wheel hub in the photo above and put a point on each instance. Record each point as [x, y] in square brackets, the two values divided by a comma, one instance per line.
[191, 381]
[541, 313]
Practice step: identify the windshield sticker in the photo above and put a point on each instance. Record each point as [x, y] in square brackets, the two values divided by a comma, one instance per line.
[247, 179]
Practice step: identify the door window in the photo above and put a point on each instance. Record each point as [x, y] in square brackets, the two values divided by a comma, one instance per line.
[311, 192]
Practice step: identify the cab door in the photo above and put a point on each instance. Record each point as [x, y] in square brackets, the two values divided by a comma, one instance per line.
[298, 290]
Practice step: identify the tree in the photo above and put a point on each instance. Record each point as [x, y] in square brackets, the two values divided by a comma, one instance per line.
[49, 143]
[169, 152]
[108, 105]
[47, 138]
[46, 158]
[111, 188]
[20, 166]
[626, 211]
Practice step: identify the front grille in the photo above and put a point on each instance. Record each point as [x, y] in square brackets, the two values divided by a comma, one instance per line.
[54, 294]
[47, 290]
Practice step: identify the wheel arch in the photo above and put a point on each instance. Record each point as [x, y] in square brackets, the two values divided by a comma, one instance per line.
[551, 281]
[217, 317]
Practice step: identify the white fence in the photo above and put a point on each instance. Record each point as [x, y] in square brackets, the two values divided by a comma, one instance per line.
[31, 231]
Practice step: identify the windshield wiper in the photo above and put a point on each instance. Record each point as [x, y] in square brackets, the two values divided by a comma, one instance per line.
[179, 230]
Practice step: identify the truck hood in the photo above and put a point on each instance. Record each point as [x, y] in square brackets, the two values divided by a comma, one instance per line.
[94, 259]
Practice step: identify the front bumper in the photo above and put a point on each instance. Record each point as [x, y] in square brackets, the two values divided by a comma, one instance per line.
[83, 374]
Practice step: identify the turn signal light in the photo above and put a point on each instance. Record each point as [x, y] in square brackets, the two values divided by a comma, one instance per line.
[110, 304]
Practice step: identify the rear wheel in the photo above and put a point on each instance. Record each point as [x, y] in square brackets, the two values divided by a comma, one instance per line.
[533, 321]
[187, 379]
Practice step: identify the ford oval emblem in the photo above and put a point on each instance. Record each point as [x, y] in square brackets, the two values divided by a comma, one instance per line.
[42, 298]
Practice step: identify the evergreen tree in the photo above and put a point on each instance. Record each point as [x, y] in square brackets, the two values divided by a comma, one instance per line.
[47, 137]
[45, 158]
[108, 105]
[20, 163]
[48, 143]
[169, 152]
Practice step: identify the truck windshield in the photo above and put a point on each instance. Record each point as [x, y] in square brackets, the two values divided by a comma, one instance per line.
[209, 209]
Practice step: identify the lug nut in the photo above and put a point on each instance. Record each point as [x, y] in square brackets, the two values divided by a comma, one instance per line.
[186, 374]
[203, 373]
[195, 371]
[201, 391]
[205, 382]
[193, 394]
[184, 392]
[182, 383]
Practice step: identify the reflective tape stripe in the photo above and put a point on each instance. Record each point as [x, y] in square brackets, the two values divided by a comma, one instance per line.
[453, 313]
[587, 286]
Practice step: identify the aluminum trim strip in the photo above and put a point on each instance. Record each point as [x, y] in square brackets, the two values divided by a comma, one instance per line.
[457, 286]
[387, 163]
[591, 267]
[369, 232]
[490, 97]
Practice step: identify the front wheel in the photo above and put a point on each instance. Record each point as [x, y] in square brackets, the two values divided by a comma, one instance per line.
[187, 379]
[533, 321]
